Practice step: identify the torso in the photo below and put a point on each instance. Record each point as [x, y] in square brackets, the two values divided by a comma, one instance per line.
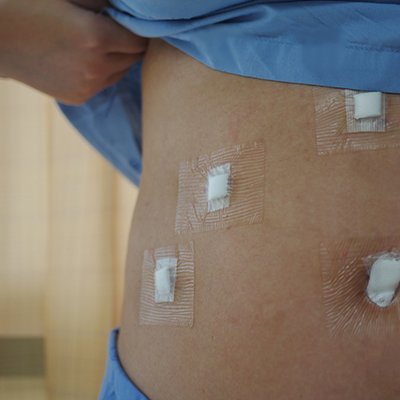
[259, 325]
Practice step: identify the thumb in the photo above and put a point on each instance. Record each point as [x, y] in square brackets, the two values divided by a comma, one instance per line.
[119, 39]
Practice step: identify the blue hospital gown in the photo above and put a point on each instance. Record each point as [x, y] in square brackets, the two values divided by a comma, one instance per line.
[343, 44]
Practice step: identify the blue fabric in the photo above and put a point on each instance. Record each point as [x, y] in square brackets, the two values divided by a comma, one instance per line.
[112, 123]
[344, 44]
[116, 384]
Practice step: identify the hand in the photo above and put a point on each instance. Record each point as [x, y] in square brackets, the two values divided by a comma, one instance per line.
[94, 5]
[64, 50]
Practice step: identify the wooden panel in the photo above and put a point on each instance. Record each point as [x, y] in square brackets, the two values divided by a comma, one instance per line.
[125, 199]
[23, 208]
[80, 280]
[22, 389]
[65, 215]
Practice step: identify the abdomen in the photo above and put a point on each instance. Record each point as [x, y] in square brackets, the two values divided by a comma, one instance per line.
[260, 326]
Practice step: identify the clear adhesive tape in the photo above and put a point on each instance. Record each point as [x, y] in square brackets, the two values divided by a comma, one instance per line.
[236, 174]
[345, 275]
[171, 303]
[340, 127]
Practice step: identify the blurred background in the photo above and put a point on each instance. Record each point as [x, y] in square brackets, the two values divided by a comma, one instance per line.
[65, 216]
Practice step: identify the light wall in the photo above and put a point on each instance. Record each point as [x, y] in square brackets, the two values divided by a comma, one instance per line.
[65, 215]
[23, 209]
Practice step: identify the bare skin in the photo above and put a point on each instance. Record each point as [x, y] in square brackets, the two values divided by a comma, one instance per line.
[260, 329]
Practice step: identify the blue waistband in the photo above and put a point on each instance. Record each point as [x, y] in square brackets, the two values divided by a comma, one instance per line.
[116, 384]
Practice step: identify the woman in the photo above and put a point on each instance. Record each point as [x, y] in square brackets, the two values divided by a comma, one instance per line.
[262, 325]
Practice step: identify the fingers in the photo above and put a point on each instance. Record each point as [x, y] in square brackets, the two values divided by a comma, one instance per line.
[118, 62]
[117, 39]
[94, 5]
[116, 75]
[115, 78]
[80, 97]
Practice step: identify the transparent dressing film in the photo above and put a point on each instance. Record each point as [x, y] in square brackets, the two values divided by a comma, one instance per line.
[338, 130]
[239, 172]
[176, 307]
[345, 267]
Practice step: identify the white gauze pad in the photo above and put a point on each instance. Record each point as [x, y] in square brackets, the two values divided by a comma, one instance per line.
[164, 279]
[218, 187]
[384, 279]
[368, 105]
[167, 286]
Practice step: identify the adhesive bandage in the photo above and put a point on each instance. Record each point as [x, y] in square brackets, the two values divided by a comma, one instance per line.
[221, 189]
[360, 279]
[384, 278]
[349, 120]
[167, 293]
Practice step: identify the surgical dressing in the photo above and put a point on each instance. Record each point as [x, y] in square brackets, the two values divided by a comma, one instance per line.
[221, 189]
[167, 292]
[360, 280]
[349, 120]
